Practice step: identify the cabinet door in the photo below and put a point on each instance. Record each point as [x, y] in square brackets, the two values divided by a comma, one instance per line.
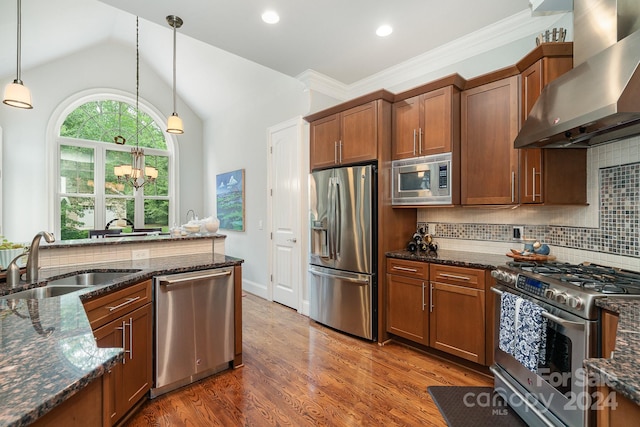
[359, 133]
[137, 367]
[489, 127]
[436, 130]
[407, 315]
[131, 379]
[457, 321]
[325, 135]
[406, 125]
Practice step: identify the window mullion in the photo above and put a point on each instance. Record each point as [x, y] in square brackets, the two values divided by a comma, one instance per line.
[98, 188]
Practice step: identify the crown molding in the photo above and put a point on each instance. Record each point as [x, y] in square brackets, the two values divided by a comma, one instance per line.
[315, 81]
[504, 32]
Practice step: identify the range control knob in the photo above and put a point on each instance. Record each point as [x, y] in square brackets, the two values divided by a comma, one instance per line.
[562, 297]
[550, 293]
[575, 302]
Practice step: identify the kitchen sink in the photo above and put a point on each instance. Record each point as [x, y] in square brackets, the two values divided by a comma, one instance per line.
[91, 278]
[43, 292]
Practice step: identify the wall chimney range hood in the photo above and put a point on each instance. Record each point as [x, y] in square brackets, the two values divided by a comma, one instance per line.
[597, 101]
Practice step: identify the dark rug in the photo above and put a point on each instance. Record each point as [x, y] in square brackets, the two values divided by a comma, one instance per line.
[473, 406]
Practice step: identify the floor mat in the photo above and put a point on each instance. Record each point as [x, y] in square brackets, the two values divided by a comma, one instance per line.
[473, 406]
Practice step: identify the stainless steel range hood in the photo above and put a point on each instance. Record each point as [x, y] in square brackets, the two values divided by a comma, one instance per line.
[597, 101]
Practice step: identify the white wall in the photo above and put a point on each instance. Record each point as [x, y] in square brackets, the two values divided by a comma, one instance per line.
[238, 140]
[106, 65]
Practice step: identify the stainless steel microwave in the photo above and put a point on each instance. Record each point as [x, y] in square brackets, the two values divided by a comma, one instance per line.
[422, 180]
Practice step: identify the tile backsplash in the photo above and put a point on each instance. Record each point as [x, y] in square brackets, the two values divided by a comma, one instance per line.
[606, 231]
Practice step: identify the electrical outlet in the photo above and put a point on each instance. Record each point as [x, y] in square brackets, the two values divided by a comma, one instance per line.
[518, 232]
[140, 254]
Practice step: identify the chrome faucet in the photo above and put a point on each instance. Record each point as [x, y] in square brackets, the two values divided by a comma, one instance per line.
[33, 259]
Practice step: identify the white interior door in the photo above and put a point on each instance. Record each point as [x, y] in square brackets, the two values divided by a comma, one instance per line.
[286, 241]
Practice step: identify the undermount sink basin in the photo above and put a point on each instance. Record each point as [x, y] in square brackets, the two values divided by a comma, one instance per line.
[92, 278]
[43, 292]
[65, 285]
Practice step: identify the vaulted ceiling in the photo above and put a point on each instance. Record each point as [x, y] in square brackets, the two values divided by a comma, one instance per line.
[333, 37]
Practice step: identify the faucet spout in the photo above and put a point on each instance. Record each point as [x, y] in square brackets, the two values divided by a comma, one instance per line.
[34, 255]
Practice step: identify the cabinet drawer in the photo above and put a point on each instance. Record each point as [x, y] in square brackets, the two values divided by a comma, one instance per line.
[104, 309]
[401, 267]
[461, 276]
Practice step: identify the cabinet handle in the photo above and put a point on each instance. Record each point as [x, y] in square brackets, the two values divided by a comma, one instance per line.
[414, 142]
[453, 276]
[130, 338]
[420, 140]
[340, 152]
[534, 185]
[335, 151]
[423, 304]
[430, 297]
[513, 187]
[127, 302]
[411, 270]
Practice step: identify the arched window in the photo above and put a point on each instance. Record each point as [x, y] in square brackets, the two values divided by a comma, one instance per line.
[92, 138]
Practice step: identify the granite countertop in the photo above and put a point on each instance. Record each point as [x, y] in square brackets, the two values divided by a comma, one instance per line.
[119, 239]
[47, 348]
[455, 258]
[620, 372]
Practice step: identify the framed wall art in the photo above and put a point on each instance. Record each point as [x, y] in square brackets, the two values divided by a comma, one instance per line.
[230, 200]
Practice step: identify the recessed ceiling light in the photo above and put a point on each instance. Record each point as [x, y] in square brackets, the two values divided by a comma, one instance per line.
[270, 17]
[384, 30]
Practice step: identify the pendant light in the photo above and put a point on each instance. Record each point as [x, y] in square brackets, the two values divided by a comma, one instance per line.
[174, 122]
[136, 173]
[16, 94]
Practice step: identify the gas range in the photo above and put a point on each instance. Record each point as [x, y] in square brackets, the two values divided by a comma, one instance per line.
[569, 287]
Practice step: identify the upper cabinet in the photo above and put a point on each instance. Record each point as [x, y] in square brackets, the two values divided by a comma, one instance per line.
[489, 162]
[550, 176]
[346, 136]
[426, 120]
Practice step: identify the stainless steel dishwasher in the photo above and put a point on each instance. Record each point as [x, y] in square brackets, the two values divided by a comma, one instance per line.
[194, 334]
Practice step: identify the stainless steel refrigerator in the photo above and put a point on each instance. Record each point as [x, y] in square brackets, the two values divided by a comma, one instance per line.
[343, 261]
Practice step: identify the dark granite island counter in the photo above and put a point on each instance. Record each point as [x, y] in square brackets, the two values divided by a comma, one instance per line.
[47, 349]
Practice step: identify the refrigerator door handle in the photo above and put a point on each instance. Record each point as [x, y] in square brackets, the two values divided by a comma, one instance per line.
[338, 222]
[338, 276]
[330, 220]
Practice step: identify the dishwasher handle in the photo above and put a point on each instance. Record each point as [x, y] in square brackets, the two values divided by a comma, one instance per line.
[168, 281]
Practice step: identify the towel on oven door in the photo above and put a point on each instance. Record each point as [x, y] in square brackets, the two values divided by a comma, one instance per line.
[531, 335]
[508, 316]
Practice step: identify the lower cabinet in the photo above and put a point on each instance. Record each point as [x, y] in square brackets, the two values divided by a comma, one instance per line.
[457, 314]
[80, 410]
[439, 306]
[407, 299]
[129, 325]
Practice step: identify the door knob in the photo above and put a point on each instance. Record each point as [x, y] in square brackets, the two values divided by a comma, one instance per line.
[292, 240]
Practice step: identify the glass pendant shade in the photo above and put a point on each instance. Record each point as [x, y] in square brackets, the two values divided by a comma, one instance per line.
[17, 95]
[174, 124]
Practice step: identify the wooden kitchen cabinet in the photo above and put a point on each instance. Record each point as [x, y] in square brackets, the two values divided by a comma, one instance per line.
[344, 138]
[550, 176]
[407, 299]
[489, 125]
[80, 410]
[626, 412]
[124, 319]
[457, 311]
[426, 124]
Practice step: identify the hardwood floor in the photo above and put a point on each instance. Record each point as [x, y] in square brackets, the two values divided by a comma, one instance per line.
[299, 373]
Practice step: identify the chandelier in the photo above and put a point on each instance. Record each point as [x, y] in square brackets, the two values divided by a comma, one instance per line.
[136, 173]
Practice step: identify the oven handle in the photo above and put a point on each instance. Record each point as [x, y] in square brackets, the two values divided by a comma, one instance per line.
[556, 319]
[524, 399]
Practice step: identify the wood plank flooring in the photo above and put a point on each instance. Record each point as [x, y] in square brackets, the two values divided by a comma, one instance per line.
[299, 373]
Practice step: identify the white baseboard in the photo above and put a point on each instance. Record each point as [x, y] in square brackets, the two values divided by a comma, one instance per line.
[255, 288]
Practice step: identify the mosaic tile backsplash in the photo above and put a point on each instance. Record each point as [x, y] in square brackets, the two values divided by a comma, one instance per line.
[613, 217]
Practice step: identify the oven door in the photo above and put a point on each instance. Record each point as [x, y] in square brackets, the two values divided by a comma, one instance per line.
[560, 386]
